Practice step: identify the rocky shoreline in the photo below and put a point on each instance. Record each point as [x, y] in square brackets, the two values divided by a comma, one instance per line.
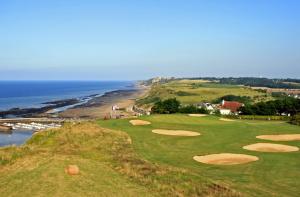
[31, 112]
[49, 110]
[98, 101]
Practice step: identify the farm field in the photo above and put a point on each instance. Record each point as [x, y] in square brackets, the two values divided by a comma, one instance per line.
[274, 174]
[195, 91]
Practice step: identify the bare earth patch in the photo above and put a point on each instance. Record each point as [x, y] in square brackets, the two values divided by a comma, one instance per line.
[72, 170]
[284, 137]
[175, 132]
[269, 147]
[139, 122]
[225, 159]
[227, 120]
[197, 115]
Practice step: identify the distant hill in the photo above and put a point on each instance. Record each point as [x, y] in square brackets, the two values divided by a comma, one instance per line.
[255, 82]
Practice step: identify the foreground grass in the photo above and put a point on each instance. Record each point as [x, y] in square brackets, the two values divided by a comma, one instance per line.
[108, 167]
[275, 174]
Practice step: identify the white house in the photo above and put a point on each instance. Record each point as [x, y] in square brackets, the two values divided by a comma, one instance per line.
[206, 106]
[225, 111]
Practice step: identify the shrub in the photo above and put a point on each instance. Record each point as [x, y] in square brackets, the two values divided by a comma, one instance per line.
[258, 117]
[191, 109]
[230, 97]
[148, 100]
[288, 105]
[183, 93]
[296, 119]
[168, 106]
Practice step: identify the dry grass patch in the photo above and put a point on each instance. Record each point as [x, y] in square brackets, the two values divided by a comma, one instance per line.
[283, 137]
[225, 159]
[175, 132]
[139, 122]
[269, 147]
[197, 115]
[226, 120]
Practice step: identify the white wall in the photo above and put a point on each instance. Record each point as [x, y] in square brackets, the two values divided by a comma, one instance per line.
[225, 111]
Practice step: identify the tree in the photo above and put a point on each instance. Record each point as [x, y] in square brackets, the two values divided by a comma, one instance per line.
[191, 109]
[230, 97]
[287, 105]
[168, 106]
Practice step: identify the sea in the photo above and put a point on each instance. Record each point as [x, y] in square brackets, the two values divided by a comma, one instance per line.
[27, 94]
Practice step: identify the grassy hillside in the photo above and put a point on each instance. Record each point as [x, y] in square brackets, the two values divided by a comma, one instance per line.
[275, 174]
[108, 167]
[195, 91]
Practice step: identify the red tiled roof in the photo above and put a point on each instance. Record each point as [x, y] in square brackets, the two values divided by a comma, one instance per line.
[232, 105]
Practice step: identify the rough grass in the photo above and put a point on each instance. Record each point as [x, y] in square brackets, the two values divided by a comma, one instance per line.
[195, 91]
[108, 167]
[275, 174]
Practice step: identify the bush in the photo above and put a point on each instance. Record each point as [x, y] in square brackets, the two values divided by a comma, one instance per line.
[258, 117]
[278, 94]
[288, 105]
[230, 97]
[168, 106]
[148, 100]
[171, 106]
[191, 109]
[183, 93]
[296, 119]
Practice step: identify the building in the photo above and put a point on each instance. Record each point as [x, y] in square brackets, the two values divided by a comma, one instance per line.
[231, 106]
[225, 111]
[208, 106]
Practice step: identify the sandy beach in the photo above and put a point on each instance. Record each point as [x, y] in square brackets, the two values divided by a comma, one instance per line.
[101, 107]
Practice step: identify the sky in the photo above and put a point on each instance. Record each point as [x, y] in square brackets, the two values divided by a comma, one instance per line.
[139, 39]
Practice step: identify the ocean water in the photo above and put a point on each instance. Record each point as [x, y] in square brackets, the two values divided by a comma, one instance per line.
[24, 94]
[17, 137]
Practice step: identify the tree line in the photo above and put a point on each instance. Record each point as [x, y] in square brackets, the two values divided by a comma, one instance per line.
[230, 97]
[287, 105]
[255, 82]
[171, 106]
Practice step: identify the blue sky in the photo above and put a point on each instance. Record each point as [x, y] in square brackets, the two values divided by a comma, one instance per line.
[138, 39]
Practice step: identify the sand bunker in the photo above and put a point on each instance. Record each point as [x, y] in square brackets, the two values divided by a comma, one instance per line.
[269, 147]
[175, 132]
[284, 137]
[139, 122]
[197, 115]
[227, 120]
[225, 159]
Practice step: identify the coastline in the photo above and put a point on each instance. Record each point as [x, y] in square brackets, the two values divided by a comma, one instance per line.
[101, 107]
[87, 107]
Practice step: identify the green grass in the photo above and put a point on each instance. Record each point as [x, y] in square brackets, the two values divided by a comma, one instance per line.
[118, 159]
[195, 91]
[108, 167]
[275, 174]
[37, 169]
